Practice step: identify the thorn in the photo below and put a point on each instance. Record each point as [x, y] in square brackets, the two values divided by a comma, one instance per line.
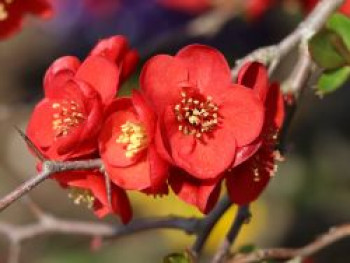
[31, 145]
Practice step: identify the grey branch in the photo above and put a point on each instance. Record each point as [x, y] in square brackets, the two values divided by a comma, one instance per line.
[242, 217]
[272, 55]
[333, 235]
[48, 168]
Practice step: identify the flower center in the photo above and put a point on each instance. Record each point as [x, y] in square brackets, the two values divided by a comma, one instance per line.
[67, 116]
[3, 11]
[82, 196]
[134, 136]
[196, 115]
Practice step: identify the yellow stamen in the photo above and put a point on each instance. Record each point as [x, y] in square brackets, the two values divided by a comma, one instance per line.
[134, 136]
[82, 196]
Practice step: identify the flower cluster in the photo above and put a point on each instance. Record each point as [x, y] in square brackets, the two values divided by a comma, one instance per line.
[189, 127]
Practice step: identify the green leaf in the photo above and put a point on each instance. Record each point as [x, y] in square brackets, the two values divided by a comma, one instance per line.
[183, 257]
[323, 51]
[332, 80]
[340, 24]
[247, 249]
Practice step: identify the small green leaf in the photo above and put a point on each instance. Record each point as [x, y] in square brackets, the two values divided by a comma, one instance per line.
[332, 80]
[340, 24]
[247, 249]
[183, 257]
[323, 51]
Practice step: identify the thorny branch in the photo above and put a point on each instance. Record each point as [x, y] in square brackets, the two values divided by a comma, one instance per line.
[271, 56]
[333, 235]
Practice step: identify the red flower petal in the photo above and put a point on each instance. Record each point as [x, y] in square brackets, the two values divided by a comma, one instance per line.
[246, 182]
[254, 75]
[102, 75]
[39, 128]
[60, 71]
[200, 193]
[208, 69]
[203, 158]
[129, 64]
[113, 48]
[244, 153]
[274, 107]
[112, 152]
[161, 79]
[243, 114]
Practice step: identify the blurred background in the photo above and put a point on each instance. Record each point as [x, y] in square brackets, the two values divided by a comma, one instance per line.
[310, 193]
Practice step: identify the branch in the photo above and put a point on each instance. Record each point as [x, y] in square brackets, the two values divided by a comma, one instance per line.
[208, 224]
[243, 215]
[49, 168]
[333, 235]
[272, 55]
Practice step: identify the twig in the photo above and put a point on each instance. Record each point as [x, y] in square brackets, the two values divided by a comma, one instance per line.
[273, 54]
[49, 168]
[243, 215]
[333, 235]
[48, 224]
[209, 223]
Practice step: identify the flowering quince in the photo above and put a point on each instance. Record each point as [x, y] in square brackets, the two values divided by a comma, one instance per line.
[12, 13]
[247, 179]
[65, 124]
[254, 163]
[127, 146]
[89, 188]
[202, 117]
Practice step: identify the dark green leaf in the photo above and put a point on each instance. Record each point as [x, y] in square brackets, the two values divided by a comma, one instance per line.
[323, 51]
[247, 249]
[332, 80]
[183, 257]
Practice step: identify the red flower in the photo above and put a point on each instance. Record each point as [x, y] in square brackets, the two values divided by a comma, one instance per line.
[254, 163]
[188, 6]
[246, 181]
[203, 117]
[127, 146]
[117, 49]
[12, 13]
[66, 123]
[89, 188]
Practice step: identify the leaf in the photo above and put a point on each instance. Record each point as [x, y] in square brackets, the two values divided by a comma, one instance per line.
[332, 80]
[340, 24]
[323, 50]
[247, 249]
[183, 257]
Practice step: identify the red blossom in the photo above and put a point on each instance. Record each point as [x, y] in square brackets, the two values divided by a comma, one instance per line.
[247, 179]
[66, 123]
[12, 13]
[89, 188]
[254, 163]
[203, 117]
[127, 146]
[117, 49]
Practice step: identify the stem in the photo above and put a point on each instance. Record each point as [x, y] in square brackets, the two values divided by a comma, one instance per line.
[209, 223]
[242, 216]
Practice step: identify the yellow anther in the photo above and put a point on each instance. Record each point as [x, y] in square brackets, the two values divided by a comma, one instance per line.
[82, 196]
[134, 135]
